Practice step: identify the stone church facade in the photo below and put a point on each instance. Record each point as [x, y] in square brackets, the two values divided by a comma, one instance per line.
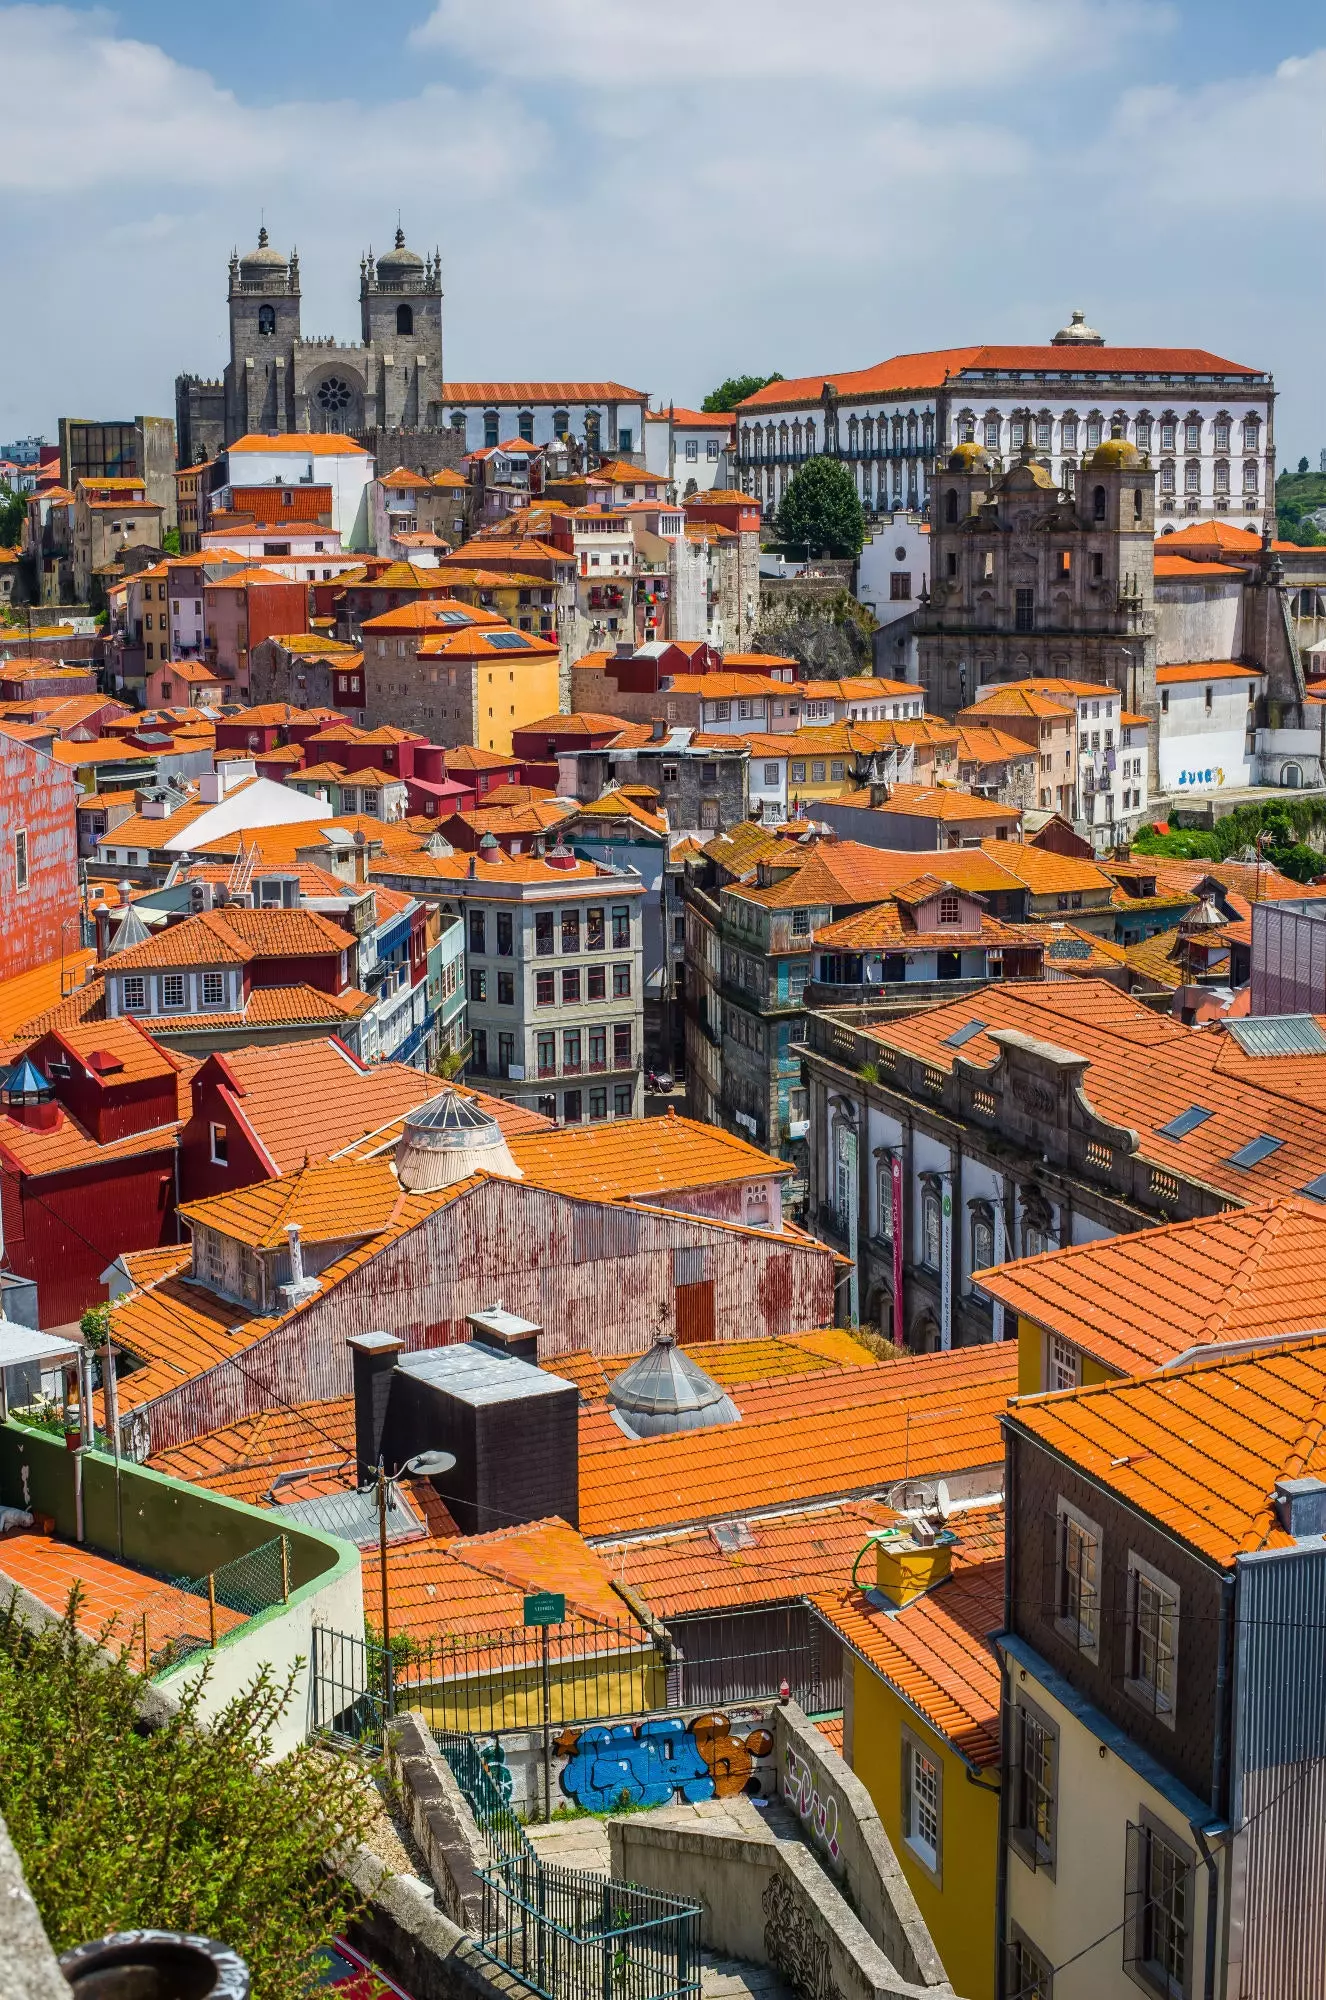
[385, 390]
[1029, 579]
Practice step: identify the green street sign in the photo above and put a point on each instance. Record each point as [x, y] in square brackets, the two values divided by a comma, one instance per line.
[545, 1607]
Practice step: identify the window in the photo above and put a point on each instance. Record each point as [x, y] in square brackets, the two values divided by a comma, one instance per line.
[571, 986]
[621, 982]
[711, 448]
[1158, 1942]
[478, 983]
[214, 989]
[1143, 434]
[545, 989]
[982, 1237]
[950, 909]
[932, 1233]
[1167, 434]
[525, 425]
[1024, 609]
[1153, 1637]
[669, 774]
[547, 1107]
[1029, 1975]
[598, 1105]
[1032, 1796]
[1251, 433]
[1192, 476]
[571, 1051]
[134, 990]
[1222, 475]
[622, 1100]
[561, 423]
[543, 933]
[570, 930]
[266, 319]
[21, 859]
[220, 1146]
[1250, 475]
[1077, 1582]
[1167, 475]
[490, 427]
[172, 992]
[621, 1047]
[596, 982]
[921, 1802]
[506, 989]
[692, 449]
[571, 1105]
[478, 932]
[505, 944]
[621, 929]
[547, 1054]
[1192, 435]
[900, 584]
[798, 774]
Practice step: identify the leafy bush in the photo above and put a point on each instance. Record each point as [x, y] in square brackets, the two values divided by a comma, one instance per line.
[735, 390]
[185, 1827]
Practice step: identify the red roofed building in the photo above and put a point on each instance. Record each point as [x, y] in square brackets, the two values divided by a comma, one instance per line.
[38, 856]
[1206, 421]
[245, 608]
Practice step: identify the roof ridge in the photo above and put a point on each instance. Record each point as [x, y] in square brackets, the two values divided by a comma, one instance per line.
[1295, 1465]
[1269, 1230]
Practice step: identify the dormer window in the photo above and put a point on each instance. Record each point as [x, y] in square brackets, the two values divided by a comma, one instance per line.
[801, 923]
[950, 910]
[134, 992]
[214, 989]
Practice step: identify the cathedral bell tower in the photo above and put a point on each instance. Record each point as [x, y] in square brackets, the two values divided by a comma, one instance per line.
[263, 297]
[400, 310]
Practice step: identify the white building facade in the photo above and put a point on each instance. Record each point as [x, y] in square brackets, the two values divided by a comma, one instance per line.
[1206, 423]
[607, 418]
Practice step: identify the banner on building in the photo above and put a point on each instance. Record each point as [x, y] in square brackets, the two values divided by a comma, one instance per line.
[946, 1261]
[895, 1202]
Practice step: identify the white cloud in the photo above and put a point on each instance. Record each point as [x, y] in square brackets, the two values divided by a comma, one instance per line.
[872, 48]
[667, 195]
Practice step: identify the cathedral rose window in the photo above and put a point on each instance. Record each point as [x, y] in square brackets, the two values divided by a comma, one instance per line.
[333, 394]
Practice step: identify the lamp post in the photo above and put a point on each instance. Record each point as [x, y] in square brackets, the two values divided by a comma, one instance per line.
[423, 1465]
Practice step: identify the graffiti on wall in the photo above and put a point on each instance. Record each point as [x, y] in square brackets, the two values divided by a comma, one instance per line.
[811, 1799]
[655, 1762]
[792, 1944]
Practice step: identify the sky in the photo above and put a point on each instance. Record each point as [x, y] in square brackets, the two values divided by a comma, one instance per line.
[665, 195]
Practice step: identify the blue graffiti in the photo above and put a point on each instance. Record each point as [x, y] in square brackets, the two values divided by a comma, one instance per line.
[494, 1756]
[647, 1765]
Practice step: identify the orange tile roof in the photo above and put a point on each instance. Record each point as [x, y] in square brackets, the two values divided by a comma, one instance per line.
[469, 757]
[57, 1148]
[1143, 1070]
[906, 372]
[422, 614]
[242, 1460]
[235, 936]
[308, 1099]
[1187, 569]
[330, 1202]
[815, 1437]
[29, 994]
[616, 805]
[1045, 873]
[640, 1158]
[1258, 883]
[946, 802]
[937, 1651]
[1200, 1448]
[1133, 1303]
[310, 444]
[788, 1556]
[1206, 670]
[990, 745]
[1016, 698]
[487, 645]
[883, 928]
[1064, 950]
[541, 392]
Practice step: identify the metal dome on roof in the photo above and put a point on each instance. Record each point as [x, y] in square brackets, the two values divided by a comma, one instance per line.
[665, 1391]
[25, 1081]
[447, 1138]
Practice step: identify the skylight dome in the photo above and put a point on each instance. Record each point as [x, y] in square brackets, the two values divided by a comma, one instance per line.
[664, 1391]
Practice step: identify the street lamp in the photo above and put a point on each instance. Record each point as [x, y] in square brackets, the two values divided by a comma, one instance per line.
[424, 1465]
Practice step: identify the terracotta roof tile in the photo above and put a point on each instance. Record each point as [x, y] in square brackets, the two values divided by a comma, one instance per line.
[639, 1159]
[308, 1099]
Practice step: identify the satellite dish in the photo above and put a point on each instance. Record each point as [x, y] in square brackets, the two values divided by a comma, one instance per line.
[359, 836]
[943, 1500]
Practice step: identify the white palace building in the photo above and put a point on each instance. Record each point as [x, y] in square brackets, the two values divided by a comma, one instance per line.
[1207, 424]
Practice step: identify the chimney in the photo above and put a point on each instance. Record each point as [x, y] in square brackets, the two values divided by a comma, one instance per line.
[879, 793]
[101, 917]
[474, 867]
[1301, 1506]
[504, 1332]
[361, 857]
[373, 1357]
[658, 729]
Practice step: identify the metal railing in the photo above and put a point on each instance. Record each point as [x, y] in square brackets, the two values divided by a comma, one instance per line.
[485, 1797]
[191, 1614]
[574, 1936]
[483, 1683]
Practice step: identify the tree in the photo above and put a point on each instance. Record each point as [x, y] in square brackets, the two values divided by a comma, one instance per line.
[183, 1827]
[821, 513]
[13, 513]
[735, 390]
[1302, 465]
[170, 542]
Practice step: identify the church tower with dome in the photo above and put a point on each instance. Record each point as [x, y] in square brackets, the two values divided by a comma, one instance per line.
[384, 390]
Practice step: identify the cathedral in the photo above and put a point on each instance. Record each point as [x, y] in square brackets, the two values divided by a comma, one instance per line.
[279, 379]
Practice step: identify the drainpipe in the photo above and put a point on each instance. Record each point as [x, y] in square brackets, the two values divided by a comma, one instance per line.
[1006, 1723]
[1219, 1774]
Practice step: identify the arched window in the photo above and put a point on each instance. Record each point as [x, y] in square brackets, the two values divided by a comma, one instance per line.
[1222, 475]
[932, 1229]
[982, 1236]
[525, 425]
[561, 422]
[1098, 504]
[1250, 475]
[1291, 775]
[490, 429]
[1137, 503]
[951, 504]
[458, 424]
[810, 439]
[885, 1203]
[267, 319]
[1167, 475]
[1251, 433]
[1095, 429]
[405, 319]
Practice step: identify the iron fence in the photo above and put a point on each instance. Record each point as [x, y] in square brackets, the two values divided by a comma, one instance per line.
[574, 1936]
[485, 1797]
[747, 1655]
[479, 1684]
[191, 1614]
